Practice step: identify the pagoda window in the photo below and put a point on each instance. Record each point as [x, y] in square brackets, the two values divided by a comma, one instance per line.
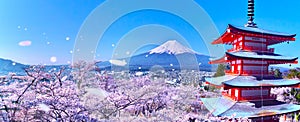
[241, 43]
[255, 67]
[232, 68]
[233, 62]
[250, 93]
[229, 92]
[254, 44]
[255, 62]
[241, 38]
[238, 61]
[255, 39]
[239, 67]
[236, 93]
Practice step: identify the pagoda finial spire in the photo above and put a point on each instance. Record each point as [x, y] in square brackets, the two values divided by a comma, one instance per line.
[250, 22]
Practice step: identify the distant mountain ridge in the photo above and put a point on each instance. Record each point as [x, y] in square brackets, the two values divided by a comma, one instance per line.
[8, 66]
[171, 55]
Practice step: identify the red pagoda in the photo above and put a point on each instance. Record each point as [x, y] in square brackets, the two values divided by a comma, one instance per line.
[247, 85]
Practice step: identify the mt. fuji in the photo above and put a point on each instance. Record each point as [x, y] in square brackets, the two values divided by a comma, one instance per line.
[172, 47]
[171, 55]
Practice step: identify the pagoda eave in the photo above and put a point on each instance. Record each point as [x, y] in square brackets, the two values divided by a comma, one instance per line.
[218, 61]
[231, 81]
[270, 60]
[256, 56]
[225, 107]
[224, 39]
[262, 32]
[215, 85]
[228, 86]
[236, 32]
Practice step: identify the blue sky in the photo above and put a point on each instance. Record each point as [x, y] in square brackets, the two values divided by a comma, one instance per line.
[52, 27]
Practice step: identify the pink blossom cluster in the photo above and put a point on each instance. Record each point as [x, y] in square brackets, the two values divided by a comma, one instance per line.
[87, 94]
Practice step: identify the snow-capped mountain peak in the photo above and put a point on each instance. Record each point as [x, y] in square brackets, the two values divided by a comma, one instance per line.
[171, 47]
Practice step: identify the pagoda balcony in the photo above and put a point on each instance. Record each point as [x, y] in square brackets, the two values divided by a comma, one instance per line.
[249, 73]
[253, 72]
[253, 49]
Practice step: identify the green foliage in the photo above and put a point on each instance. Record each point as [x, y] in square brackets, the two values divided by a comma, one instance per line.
[293, 73]
[220, 70]
[297, 117]
[210, 88]
[296, 94]
[297, 97]
[293, 91]
[206, 88]
[277, 73]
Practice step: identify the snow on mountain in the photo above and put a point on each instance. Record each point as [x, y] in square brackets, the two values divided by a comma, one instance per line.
[172, 47]
[171, 55]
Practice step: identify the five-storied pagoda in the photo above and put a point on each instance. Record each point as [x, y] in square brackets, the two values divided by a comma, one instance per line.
[247, 85]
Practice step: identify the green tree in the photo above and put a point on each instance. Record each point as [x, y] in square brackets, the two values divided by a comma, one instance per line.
[277, 73]
[293, 73]
[220, 70]
[296, 94]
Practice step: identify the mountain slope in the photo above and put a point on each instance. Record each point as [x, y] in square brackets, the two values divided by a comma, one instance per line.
[170, 55]
[172, 47]
[7, 66]
[170, 61]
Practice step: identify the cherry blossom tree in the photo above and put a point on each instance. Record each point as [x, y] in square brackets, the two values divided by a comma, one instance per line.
[42, 96]
[83, 93]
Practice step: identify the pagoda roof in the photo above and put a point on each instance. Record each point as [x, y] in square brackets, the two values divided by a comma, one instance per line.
[226, 107]
[260, 31]
[231, 31]
[249, 81]
[258, 55]
[254, 55]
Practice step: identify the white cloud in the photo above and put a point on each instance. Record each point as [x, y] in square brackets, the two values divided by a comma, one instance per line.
[25, 43]
[118, 62]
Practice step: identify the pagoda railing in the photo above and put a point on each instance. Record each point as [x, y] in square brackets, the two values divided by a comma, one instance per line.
[254, 49]
[255, 72]
[252, 72]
